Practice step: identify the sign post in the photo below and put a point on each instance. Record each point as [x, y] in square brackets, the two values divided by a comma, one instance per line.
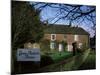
[28, 59]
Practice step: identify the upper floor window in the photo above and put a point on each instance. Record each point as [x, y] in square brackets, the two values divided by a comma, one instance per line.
[65, 36]
[53, 37]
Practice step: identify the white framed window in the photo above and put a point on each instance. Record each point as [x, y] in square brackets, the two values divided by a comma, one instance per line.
[60, 47]
[52, 45]
[76, 37]
[69, 47]
[53, 37]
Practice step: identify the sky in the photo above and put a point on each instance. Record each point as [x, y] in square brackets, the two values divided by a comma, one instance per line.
[49, 14]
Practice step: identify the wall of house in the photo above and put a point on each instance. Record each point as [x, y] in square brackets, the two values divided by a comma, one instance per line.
[81, 39]
[84, 39]
[31, 45]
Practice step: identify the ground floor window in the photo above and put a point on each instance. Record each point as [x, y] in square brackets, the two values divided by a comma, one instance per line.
[69, 47]
[76, 37]
[52, 45]
[60, 47]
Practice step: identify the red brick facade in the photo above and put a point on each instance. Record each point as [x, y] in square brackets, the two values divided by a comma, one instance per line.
[70, 38]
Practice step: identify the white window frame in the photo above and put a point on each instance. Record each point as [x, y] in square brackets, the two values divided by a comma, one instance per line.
[52, 45]
[69, 47]
[76, 37]
[52, 37]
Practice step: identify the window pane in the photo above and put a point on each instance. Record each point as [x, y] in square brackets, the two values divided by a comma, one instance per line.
[52, 45]
[65, 36]
[53, 37]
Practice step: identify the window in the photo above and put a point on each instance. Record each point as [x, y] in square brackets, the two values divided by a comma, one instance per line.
[52, 45]
[76, 38]
[65, 36]
[53, 37]
[69, 47]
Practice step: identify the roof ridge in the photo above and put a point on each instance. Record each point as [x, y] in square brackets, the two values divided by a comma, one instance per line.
[63, 29]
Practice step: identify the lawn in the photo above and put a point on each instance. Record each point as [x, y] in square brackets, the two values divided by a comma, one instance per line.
[83, 61]
[90, 62]
[59, 56]
[49, 58]
[64, 61]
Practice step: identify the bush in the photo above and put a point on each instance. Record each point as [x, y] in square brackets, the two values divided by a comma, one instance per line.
[79, 50]
[45, 45]
[46, 60]
[84, 47]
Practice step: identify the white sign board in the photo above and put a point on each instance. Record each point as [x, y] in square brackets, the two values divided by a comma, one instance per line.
[28, 54]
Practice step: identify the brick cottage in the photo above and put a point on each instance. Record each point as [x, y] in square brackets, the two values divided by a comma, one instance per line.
[66, 33]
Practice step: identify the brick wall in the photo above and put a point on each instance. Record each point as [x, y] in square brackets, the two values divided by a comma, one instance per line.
[70, 38]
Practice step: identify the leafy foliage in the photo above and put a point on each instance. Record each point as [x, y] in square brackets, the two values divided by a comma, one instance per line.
[69, 12]
[26, 25]
[45, 45]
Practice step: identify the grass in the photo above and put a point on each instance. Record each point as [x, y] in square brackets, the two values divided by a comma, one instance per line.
[78, 62]
[63, 61]
[90, 62]
[58, 56]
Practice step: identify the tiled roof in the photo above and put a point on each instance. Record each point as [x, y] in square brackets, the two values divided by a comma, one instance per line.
[65, 29]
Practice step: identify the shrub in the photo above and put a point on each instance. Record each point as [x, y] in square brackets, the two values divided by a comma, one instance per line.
[45, 45]
[84, 47]
[46, 60]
